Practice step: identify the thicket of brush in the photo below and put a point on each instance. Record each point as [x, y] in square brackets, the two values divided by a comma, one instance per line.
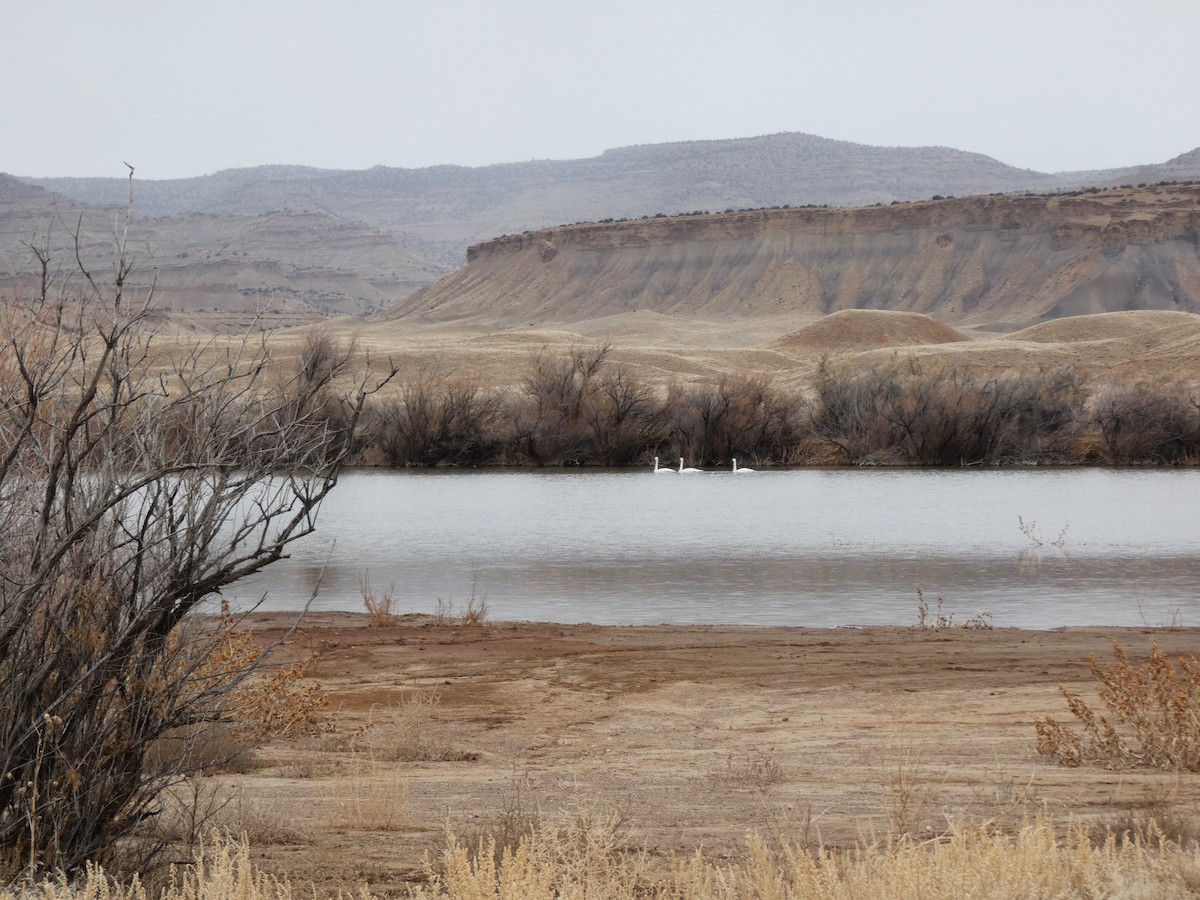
[583, 409]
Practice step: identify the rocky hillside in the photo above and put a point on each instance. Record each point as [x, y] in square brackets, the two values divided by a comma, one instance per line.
[312, 243]
[993, 262]
[217, 271]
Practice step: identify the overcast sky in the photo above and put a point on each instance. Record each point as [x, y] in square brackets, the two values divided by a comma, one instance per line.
[188, 88]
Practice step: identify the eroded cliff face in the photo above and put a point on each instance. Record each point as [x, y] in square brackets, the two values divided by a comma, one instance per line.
[991, 261]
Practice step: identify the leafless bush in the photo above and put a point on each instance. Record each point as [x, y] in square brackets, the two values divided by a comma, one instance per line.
[473, 611]
[736, 417]
[1148, 423]
[380, 605]
[137, 479]
[905, 412]
[939, 620]
[846, 410]
[618, 409]
[947, 416]
[1153, 716]
[439, 420]
[550, 422]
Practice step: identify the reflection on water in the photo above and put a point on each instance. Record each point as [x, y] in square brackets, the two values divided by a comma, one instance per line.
[795, 547]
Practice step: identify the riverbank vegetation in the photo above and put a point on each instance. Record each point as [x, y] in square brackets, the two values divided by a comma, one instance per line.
[583, 409]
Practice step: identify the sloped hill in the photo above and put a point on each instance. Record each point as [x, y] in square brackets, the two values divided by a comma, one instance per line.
[869, 329]
[215, 271]
[993, 262]
[1123, 325]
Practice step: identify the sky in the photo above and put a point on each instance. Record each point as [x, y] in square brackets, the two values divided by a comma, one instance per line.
[179, 88]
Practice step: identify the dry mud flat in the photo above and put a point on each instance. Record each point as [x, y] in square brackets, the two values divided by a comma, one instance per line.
[695, 736]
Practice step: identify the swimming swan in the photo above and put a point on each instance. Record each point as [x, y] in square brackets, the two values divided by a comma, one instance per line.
[737, 471]
[689, 471]
[658, 471]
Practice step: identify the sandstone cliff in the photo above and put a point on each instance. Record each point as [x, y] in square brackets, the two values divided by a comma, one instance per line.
[990, 261]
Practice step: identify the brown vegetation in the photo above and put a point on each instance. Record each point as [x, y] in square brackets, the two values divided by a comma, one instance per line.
[136, 481]
[684, 758]
[1153, 716]
[580, 408]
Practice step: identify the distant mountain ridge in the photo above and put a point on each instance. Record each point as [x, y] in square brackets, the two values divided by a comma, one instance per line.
[459, 205]
[405, 228]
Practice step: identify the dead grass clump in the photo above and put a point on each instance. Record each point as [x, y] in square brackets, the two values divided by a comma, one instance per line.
[939, 620]
[755, 769]
[375, 798]
[907, 797]
[1161, 813]
[380, 606]
[1153, 716]
[196, 807]
[415, 735]
[474, 610]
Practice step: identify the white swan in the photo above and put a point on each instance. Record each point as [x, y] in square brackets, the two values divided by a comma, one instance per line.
[658, 471]
[737, 471]
[688, 471]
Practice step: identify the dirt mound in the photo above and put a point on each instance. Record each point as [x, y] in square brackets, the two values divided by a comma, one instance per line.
[1107, 326]
[868, 329]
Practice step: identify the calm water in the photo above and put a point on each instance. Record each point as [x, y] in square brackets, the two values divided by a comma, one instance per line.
[794, 547]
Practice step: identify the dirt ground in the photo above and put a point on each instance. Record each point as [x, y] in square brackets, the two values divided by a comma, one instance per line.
[694, 736]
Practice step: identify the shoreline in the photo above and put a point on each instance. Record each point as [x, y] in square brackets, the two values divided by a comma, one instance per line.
[696, 736]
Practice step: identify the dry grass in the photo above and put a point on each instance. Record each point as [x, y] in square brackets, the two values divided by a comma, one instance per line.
[473, 611]
[381, 605]
[585, 857]
[412, 733]
[753, 769]
[1153, 716]
[908, 798]
[375, 797]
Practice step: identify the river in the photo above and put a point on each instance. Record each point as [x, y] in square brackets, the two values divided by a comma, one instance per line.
[1034, 548]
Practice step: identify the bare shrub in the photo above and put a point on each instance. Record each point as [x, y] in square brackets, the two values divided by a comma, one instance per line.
[550, 424]
[736, 417]
[380, 605]
[473, 611]
[138, 477]
[947, 416]
[620, 416]
[846, 411]
[439, 420]
[937, 620]
[1148, 423]
[906, 411]
[1153, 716]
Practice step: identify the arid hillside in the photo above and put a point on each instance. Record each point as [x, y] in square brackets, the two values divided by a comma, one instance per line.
[991, 262]
[311, 243]
[214, 272]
